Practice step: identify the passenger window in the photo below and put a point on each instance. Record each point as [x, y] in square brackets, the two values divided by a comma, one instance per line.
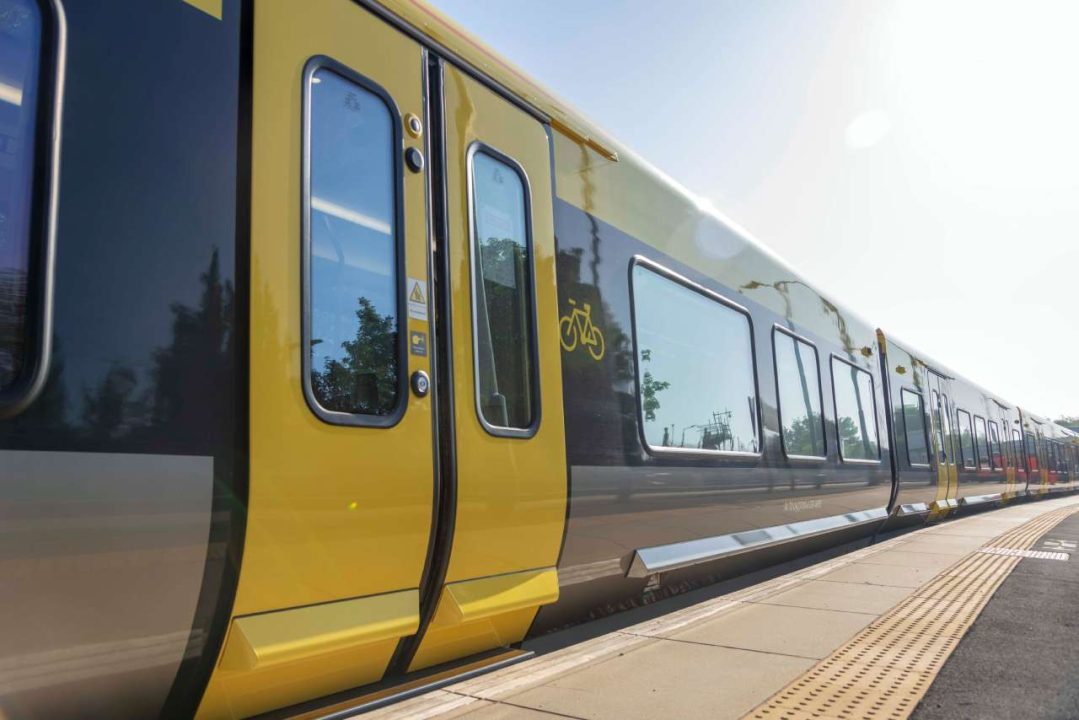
[966, 439]
[996, 461]
[1017, 449]
[981, 439]
[695, 380]
[914, 427]
[21, 44]
[352, 249]
[798, 378]
[502, 295]
[855, 409]
[1032, 452]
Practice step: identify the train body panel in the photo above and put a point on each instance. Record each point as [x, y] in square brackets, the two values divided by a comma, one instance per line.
[369, 357]
[632, 491]
[122, 482]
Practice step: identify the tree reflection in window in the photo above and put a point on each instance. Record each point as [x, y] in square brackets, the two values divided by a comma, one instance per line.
[694, 368]
[799, 396]
[353, 361]
[502, 286]
[855, 407]
[364, 380]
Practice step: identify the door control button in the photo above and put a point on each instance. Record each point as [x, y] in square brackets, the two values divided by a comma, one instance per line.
[414, 159]
[421, 384]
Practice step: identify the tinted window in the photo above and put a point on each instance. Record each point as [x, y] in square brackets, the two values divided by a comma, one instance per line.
[799, 396]
[940, 413]
[1017, 449]
[995, 458]
[502, 287]
[914, 428]
[966, 438]
[353, 322]
[694, 368]
[855, 407]
[20, 38]
[1032, 452]
[982, 442]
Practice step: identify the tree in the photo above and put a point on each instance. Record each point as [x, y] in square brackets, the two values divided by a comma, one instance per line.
[804, 436]
[650, 389]
[191, 371]
[365, 379]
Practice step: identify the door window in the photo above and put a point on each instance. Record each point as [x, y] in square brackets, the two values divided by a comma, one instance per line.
[982, 442]
[352, 251]
[996, 461]
[503, 305]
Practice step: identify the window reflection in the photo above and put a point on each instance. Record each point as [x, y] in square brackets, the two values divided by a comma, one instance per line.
[996, 460]
[694, 368]
[914, 427]
[20, 38]
[1032, 452]
[982, 441]
[966, 438]
[856, 417]
[940, 413]
[353, 250]
[503, 294]
[799, 396]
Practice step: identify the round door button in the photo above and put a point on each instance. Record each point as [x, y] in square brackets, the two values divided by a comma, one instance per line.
[421, 384]
[414, 159]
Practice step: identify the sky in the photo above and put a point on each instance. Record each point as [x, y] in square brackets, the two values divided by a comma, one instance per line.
[917, 160]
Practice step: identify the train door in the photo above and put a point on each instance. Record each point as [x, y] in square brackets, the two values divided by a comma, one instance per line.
[1038, 476]
[943, 444]
[501, 381]
[1022, 470]
[341, 484]
[1012, 476]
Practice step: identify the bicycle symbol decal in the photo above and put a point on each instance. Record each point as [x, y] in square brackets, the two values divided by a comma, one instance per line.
[577, 329]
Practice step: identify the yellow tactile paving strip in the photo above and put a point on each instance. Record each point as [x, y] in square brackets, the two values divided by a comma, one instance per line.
[886, 669]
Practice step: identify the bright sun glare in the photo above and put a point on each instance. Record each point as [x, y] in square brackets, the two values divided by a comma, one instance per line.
[989, 87]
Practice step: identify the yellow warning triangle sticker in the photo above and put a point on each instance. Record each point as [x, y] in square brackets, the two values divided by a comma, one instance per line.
[416, 295]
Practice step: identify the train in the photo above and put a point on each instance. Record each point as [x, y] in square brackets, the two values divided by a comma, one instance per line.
[338, 358]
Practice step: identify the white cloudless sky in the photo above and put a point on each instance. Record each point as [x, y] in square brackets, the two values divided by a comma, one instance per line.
[918, 160]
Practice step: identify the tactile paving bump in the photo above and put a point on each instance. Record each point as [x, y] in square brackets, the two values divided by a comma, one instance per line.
[885, 670]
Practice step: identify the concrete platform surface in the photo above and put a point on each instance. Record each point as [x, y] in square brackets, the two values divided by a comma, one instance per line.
[723, 656]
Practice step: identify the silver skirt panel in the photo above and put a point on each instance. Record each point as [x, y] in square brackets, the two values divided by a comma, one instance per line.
[101, 562]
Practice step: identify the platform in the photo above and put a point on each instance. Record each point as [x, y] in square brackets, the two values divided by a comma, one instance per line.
[972, 617]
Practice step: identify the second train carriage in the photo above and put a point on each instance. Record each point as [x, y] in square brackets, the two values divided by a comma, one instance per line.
[336, 353]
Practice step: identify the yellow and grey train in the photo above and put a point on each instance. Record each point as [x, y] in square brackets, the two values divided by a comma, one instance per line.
[337, 357]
